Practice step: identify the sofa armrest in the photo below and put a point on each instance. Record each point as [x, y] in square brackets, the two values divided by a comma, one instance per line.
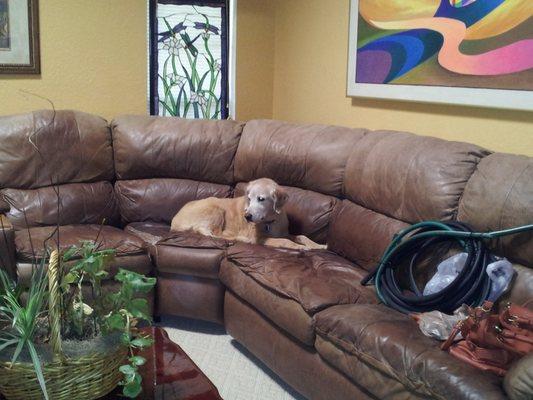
[7, 247]
[374, 344]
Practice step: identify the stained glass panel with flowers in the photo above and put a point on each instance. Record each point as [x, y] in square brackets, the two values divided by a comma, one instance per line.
[191, 56]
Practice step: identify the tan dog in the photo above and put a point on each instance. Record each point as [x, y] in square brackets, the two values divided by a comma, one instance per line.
[257, 217]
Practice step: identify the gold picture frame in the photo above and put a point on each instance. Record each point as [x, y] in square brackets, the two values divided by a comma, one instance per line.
[19, 37]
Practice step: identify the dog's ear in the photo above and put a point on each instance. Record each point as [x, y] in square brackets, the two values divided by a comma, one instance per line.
[280, 197]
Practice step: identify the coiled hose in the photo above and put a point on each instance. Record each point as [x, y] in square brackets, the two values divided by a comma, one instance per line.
[471, 286]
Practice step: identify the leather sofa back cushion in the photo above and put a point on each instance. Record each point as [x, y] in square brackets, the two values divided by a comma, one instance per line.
[498, 196]
[80, 203]
[360, 234]
[309, 212]
[408, 177]
[157, 147]
[44, 147]
[307, 156]
[158, 200]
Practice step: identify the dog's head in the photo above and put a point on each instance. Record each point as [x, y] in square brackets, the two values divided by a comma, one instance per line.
[264, 200]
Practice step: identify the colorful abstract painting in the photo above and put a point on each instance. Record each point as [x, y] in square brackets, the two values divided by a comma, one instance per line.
[471, 44]
[4, 26]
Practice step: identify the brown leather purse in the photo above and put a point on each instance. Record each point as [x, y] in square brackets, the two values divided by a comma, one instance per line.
[493, 340]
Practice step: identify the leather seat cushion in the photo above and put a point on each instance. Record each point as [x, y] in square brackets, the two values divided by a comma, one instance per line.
[189, 253]
[139, 263]
[32, 243]
[149, 232]
[284, 312]
[315, 279]
[287, 287]
[130, 253]
[370, 343]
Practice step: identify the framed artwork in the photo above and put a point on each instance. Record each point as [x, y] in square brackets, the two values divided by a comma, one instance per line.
[468, 52]
[189, 58]
[19, 37]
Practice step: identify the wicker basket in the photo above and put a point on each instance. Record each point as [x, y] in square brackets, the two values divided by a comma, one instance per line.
[87, 377]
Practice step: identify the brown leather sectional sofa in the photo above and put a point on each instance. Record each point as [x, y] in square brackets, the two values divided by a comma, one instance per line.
[304, 314]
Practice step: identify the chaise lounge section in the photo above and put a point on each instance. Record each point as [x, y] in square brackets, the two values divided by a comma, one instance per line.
[304, 314]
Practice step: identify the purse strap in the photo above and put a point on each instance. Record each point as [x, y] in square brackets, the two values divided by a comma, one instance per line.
[475, 315]
[455, 331]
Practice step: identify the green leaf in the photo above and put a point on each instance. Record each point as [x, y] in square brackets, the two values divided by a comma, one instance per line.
[125, 339]
[168, 26]
[101, 274]
[139, 308]
[127, 369]
[71, 252]
[201, 83]
[38, 369]
[138, 282]
[132, 389]
[116, 322]
[22, 317]
[8, 343]
[17, 351]
[168, 89]
[137, 360]
[70, 278]
[141, 342]
[171, 112]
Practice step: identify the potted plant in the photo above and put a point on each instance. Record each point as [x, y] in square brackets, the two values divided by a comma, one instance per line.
[57, 344]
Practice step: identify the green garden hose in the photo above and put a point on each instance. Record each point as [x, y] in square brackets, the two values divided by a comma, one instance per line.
[471, 286]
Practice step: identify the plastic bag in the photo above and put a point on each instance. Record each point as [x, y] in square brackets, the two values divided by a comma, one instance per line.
[438, 325]
[447, 271]
[501, 274]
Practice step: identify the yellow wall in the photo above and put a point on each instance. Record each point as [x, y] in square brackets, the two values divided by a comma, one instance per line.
[311, 42]
[291, 65]
[93, 59]
[255, 59]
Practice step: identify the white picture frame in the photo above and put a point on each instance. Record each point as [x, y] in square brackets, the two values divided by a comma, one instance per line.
[495, 98]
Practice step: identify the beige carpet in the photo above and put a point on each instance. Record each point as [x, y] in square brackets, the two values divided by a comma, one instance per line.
[236, 373]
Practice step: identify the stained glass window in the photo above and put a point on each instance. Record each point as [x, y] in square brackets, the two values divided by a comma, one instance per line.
[189, 58]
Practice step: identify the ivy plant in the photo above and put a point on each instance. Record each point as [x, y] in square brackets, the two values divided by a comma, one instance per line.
[127, 310]
[120, 311]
